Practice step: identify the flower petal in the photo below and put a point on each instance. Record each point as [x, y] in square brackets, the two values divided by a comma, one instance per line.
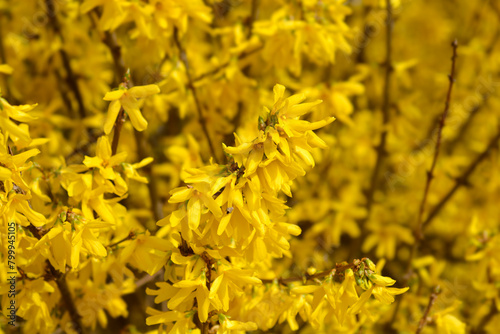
[143, 91]
[113, 110]
[114, 95]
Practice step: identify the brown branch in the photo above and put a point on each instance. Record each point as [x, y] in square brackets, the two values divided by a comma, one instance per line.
[148, 278]
[36, 232]
[118, 128]
[111, 42]
[70, 76]
[148, 170]
[484, 98]
[253, 16]
[184, 248]
[59, 278]
[130, 236]
[339, 268]
[205, 326]
[84, 148]
[209, 262]
[67, 298]
[201, 118]
[467, 123]
[425, 317]
[381, 152]
[461, 180]
[63, 92]
[367, 32]
[62, 285]
[430, 173]
[480, 329]
[222, 66]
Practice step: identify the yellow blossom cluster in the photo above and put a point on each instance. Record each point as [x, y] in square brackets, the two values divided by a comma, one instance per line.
[157, 177]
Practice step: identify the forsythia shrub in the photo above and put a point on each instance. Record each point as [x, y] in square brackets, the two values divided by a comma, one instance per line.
[156, 176]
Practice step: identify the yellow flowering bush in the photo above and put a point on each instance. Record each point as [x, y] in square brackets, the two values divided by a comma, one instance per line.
[234, 166]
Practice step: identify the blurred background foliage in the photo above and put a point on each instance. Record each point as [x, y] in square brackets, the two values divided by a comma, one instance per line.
[381, 69]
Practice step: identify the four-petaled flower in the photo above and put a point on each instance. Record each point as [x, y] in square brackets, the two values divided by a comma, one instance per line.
[127, 99]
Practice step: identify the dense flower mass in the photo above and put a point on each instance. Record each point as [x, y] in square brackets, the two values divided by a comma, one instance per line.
[157, 177]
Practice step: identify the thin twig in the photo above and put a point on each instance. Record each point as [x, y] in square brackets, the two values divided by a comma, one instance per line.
[337, 270]
[142, 150]
[466, 124]
[368, 31]
[59, 277]
[425, 317]
[62, 285]
[430, 173]
[36, 232]
[184, 248]
[253, 16]
[223, 66]
[84, 148]
[111, 42]
[385, 108]
[461, 180]
[380, 149]
[63, 92]
[117, 130]
[148, 278]
[201, 118]
[70, 76]
[480, 329]
[209, 262]
[130, 236]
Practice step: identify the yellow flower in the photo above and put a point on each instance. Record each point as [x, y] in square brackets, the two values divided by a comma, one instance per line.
[227, 285]
[101, 297]
[381, 280]
[386, 295]
[178, 13]
[104, 161]
[183, 293]
[12, 166]
[6, 69]
[56, 246]
[197, 199]
[288, 110]
[17, 114]
[182, 320]
[146, 252]
[113, 13]
[228, 326]
[385, 238]
[34, 302]
[449, 324]
[127, 99]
